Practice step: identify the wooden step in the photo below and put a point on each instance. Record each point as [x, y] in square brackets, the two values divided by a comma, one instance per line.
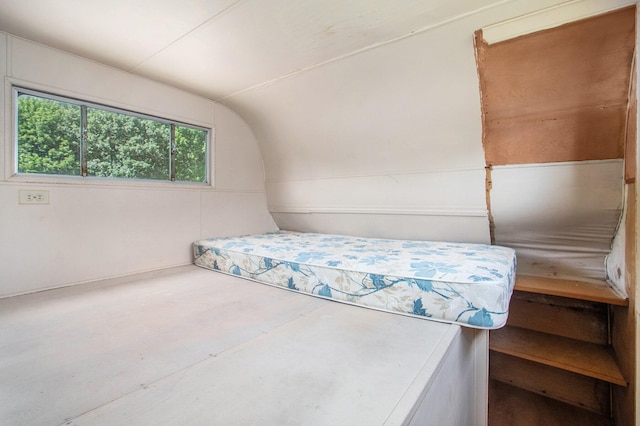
[576, 319]
[580, 357]
[584, 290]
[575, 389]
[509, 406]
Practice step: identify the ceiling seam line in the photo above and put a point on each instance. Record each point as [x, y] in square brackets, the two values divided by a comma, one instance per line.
[363, 49]
[192, 30]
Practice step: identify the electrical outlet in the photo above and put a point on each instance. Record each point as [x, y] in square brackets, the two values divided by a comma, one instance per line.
[33, 197]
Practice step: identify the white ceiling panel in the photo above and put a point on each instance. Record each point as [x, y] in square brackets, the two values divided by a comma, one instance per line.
[121, 33]
[259, 41]
[220, 47]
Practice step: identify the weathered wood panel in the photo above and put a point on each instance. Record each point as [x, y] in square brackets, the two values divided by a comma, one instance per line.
[559, 94]
[631, 139]
[584, 358]
[571, 388]
[582, 290]
[623, 322]
[509, 406]
[580, 320]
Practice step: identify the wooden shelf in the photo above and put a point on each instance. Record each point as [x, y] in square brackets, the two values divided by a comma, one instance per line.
[583, 290]
[509, 405]
[562, 385]
[562, 316]
[580, 357]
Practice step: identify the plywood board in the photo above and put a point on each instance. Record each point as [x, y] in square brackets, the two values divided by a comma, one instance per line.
[510, 406]
[588, 359]
[631, 138]
[593, 291]
[559, 94]
[561, 385]
[588, 323]
[624, 325]
[185, 346]
[578, 134]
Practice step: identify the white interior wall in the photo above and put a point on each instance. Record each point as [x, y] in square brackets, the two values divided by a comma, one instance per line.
[93, 229]
[386, 141]
[389, 136]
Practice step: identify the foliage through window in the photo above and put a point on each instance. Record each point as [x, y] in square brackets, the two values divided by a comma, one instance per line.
[59, 136]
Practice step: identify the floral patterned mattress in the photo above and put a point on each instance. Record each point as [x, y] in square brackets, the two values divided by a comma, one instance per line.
[467, 284]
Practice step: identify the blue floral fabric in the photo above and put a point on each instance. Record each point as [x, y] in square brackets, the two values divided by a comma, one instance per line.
[467, 284]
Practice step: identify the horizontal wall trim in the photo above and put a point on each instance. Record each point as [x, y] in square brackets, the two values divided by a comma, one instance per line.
[379, 174]
[438, 211]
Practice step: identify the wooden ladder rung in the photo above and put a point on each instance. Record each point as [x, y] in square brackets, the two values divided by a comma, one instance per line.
[584, 290]
[588, 359]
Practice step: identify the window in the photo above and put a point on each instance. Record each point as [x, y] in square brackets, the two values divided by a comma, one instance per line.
[62, 136]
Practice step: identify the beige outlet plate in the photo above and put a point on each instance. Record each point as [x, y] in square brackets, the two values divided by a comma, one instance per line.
[33, 197]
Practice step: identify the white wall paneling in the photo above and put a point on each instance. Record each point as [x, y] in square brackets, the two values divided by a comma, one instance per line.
[345, 136]
[435, 205]
[229, 213]
[94, 229]
[71, 75]
[88, 233]
[438, 192]
[237, 154]
[473, 229]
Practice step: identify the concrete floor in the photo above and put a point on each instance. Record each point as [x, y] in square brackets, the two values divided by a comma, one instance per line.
[191, 346]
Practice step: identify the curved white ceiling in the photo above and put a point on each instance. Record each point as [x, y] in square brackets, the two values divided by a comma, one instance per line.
[221, 47]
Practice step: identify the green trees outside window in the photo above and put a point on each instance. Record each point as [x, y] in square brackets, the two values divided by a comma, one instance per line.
[48, 136]
[60, 137]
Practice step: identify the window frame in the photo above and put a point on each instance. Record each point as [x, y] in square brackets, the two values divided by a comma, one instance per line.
[15, 175]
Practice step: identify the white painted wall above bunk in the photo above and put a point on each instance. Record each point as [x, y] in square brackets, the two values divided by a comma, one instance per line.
[98, 229]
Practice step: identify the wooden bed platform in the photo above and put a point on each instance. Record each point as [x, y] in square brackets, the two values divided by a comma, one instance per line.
[183, 346]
